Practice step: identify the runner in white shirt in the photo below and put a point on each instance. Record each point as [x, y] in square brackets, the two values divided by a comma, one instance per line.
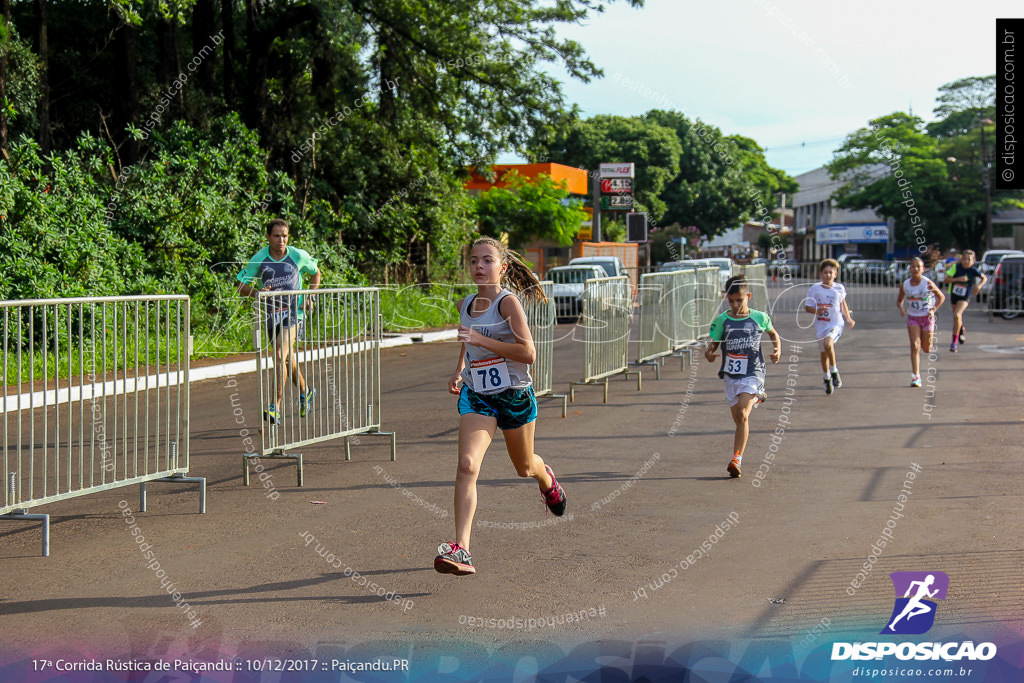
[827, 301]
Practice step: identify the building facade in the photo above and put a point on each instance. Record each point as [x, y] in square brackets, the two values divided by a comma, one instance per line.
[823, 230]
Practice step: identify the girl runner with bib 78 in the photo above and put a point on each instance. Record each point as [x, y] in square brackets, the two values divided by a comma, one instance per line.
[496, 389]
[915, 301]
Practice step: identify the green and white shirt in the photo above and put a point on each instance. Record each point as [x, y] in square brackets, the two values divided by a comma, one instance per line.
[741, 343]
[280, 275]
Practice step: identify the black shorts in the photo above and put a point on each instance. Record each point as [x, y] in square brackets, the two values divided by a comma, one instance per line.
[285, 322]
[956, 298]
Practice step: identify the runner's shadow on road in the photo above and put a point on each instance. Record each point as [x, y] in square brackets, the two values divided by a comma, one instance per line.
[209, 597]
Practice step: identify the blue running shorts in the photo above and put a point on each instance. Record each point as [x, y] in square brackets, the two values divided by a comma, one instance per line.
[513, 408]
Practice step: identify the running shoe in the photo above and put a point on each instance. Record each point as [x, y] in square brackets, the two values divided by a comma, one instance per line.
[271, 415]
[734, 468]
[837, 381]
[963, 335]
[762, 396]
[828, 385]
[952, 347]
[915, 381]
[554, 497]
[452, 558]
[305, 401]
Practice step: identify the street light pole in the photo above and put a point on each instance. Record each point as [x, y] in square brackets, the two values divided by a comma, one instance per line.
[985, 182]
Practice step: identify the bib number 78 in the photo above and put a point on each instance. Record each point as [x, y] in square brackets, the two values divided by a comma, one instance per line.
[490, 374]
[489, 377]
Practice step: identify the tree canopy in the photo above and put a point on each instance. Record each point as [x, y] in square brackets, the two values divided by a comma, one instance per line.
[529, 209]
[687, 172]
[929, 179]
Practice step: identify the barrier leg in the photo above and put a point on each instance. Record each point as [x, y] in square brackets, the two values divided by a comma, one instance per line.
[565, 403]
[372, 432]
[24, 516]
[179, 478]
[182, 479]
[276, 455]
[654, 362]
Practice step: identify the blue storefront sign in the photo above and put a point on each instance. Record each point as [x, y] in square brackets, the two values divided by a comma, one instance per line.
[855, 233]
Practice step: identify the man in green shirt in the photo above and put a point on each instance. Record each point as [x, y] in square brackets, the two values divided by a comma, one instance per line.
[278, 267]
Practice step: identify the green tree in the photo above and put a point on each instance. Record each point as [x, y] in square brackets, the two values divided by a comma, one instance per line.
[607, 139]
[929, 179]
[529, 209]
[893, 167]
[962, 104]
[719, 176]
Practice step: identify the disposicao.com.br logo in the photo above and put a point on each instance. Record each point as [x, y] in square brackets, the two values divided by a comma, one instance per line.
[913, 613]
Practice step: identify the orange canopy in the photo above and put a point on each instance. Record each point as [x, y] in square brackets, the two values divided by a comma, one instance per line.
[576, 178]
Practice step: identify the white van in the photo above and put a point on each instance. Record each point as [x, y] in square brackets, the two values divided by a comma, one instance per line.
[724, 266]
[611, 264]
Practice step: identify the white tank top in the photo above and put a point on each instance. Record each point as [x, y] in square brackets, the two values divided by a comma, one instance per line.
[486, 372]
[918, 299]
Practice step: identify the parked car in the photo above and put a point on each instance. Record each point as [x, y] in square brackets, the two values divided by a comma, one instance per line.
[568, 286]
[691, 264]
[897, 272]
[991, 258]
[781, 266]
[869, 271]
[986, 289]
[724, 265]
[846, 264]
[843, 259]
[1008, 286]
[612, 265]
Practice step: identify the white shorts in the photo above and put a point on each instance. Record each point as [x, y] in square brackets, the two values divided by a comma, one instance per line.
[833, 333]
[742, 385]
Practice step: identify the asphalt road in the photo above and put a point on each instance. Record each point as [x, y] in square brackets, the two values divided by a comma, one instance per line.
[657, 544]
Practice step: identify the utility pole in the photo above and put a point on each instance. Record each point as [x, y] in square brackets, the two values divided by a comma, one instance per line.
[985, 182]
[596, 199]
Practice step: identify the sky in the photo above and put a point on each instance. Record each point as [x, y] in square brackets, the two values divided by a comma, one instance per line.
[797, 76]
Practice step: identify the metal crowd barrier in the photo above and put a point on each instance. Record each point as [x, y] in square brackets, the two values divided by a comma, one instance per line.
[607, 305]
[1005, 297]
[668, 304]
[540, 316]
[869, 286]
[709, 296]
[336, 351]
[95, 397]
[757, 276]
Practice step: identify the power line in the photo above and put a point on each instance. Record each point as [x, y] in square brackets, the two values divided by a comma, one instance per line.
[804, 145]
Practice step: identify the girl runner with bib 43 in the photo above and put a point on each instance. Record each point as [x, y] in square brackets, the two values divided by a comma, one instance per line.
[493, 383]
[918, 300]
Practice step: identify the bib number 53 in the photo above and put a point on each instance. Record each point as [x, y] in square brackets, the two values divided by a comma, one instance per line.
[735, 364]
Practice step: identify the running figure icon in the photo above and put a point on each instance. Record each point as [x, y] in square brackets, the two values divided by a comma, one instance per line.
[915, 606]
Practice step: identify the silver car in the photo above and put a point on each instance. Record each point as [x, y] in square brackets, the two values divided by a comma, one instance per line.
[568, 288]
